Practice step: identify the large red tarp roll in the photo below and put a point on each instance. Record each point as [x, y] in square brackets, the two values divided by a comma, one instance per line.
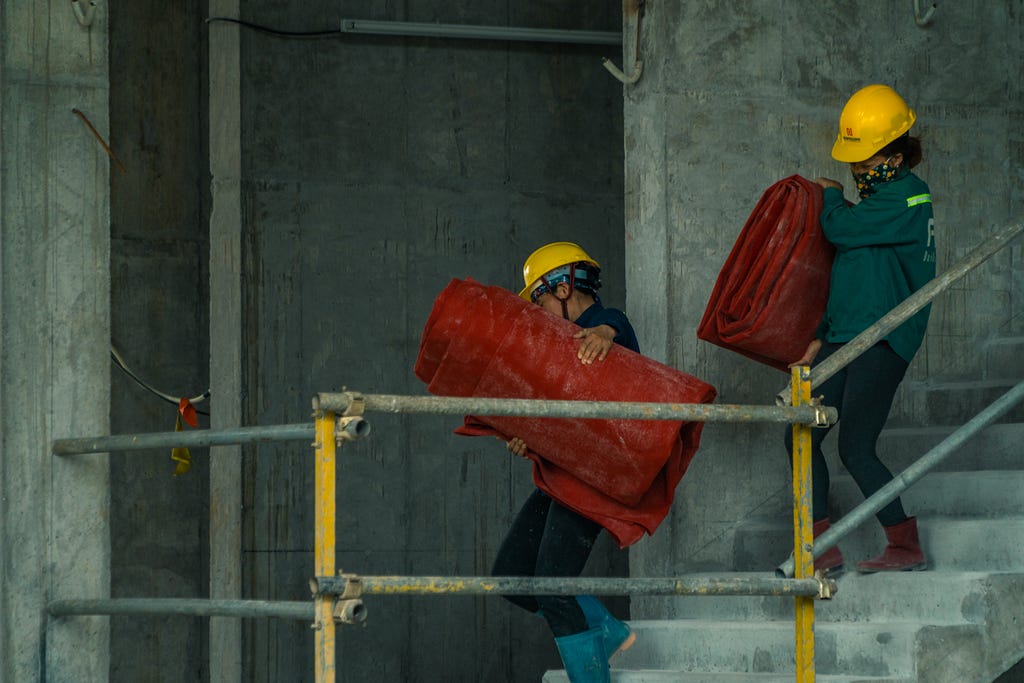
[771, 293]
[487, 342]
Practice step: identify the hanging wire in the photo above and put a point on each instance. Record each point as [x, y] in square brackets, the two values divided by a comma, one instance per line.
[119, 362]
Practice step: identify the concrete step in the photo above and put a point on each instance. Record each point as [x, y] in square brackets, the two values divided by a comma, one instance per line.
[936, 597]
[989, 493]
[954, 402]
[1004, 357]
[877, 649]
[705, 677]
[996, 447]
[950, 543]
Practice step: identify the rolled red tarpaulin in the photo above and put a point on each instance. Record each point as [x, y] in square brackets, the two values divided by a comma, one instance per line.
[487, 342]
[771, 293]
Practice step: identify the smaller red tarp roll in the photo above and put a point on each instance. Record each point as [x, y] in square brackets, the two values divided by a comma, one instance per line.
[771, 293]
[487, 342]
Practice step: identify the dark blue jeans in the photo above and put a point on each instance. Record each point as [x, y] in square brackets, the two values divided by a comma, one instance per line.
[547, 539]
[862, 392]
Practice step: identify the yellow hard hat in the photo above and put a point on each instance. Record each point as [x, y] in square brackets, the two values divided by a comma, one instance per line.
[872, 118]
[549, 257]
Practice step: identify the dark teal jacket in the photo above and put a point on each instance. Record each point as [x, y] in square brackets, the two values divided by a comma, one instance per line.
[885, 251]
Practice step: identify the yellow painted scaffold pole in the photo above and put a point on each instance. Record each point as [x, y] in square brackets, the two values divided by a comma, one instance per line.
[802, 526]
[325, 451]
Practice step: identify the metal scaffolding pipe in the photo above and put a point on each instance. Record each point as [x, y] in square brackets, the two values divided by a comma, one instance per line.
[901, 313]
[430, 30]
[690, 412]
[353, 586]
[196, 439]
[444, 405]
[194, 607]
[909, 476]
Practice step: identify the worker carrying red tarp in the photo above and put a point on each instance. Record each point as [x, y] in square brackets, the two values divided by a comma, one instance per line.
[487, 342]
[771, 293]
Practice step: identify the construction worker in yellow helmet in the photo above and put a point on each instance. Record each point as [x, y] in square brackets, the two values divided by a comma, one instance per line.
[548, 538]
[885, 251]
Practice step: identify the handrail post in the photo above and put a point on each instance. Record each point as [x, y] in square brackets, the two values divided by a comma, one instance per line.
[325, 466]
[800, 384]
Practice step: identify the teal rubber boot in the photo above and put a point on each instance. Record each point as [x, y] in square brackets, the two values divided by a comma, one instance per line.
[584, 657]
[618, 637]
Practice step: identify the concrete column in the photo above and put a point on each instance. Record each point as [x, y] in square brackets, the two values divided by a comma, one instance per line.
[225, 337]
[54, 339]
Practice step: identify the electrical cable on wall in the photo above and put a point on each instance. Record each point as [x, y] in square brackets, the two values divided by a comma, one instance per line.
[119, 362]
[274, 31]
[186, 411]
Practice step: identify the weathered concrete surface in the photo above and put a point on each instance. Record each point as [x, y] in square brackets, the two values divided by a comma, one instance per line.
[735, 98]
[54, 340]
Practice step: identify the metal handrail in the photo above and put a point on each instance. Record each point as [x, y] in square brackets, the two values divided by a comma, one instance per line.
[354, 585]
[911, 475]
[346, 402]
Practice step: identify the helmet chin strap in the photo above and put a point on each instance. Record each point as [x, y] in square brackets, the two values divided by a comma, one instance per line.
[554, 291]
[565, 307]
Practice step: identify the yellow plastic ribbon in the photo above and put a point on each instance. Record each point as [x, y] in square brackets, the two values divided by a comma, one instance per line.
[180, 455]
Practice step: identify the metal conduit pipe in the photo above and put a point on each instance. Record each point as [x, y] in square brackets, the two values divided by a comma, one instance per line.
[909, 476]
[343, 402]
[901, 313]
[348, 586]
[428, 30]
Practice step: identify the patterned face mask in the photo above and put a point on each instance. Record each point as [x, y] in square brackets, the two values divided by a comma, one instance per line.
[867, 181]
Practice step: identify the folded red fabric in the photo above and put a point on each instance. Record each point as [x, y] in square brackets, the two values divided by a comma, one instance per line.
[487, 342]
[771, 292]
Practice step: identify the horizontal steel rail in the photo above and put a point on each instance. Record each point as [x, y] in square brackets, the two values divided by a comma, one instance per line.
[911, 475]
[903, 312]
[193, 439]
[444, 405]
[355, 403]
[195, 607]
[351, 586]
[354, 586]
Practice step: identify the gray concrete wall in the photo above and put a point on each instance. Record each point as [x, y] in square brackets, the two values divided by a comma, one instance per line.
[736, 96]
[54, 340]
[159, 293]
[372, 171]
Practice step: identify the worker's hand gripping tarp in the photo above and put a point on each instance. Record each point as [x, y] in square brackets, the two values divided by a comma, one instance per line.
[487, 342]
[771, 293]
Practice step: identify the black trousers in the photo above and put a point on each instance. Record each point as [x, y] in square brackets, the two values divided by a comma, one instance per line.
[862, 392]
[547, 539]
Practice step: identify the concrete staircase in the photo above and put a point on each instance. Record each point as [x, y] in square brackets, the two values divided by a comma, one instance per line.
[960, 622]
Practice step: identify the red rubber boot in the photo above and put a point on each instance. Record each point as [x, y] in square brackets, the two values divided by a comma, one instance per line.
[902, 554]
[830, 563]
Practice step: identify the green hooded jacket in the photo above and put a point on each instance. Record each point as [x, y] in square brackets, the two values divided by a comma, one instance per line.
[885, 251]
